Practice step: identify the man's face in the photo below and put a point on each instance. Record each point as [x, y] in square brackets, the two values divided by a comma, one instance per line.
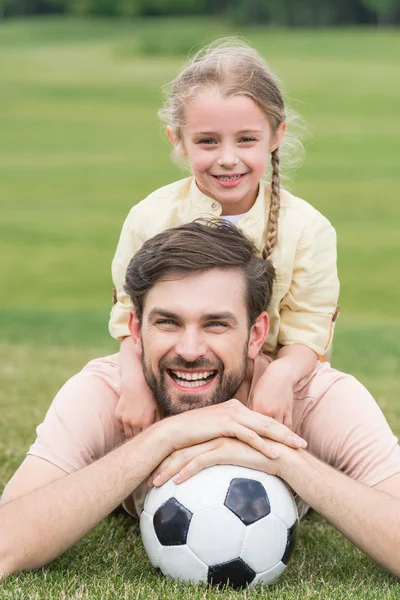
[195, 339]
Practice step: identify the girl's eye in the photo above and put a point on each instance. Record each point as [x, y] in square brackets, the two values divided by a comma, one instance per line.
[207, 142]
[247, 140]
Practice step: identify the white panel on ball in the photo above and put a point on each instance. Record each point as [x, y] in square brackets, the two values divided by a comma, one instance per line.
[216, 535]
[179, 562]
[281, 499]
[264, 543]
[149, 538]
[197, 494]
[157, 496]
[270, 576]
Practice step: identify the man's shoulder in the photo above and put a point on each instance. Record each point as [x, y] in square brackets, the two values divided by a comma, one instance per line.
[105, 368]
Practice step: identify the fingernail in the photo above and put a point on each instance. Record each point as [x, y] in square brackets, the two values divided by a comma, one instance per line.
[157, 480]
[298, 441]
[177, 478]
[149, 482]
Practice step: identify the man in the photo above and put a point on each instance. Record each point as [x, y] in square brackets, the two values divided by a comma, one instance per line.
[200, 295]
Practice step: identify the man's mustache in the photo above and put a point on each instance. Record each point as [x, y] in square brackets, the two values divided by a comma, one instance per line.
[200, 363]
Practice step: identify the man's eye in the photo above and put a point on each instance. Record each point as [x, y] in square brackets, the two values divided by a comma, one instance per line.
[217, 325]
[165, 322]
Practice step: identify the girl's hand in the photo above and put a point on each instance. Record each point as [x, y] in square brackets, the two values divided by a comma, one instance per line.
[137, 409]
[273, 396]
[183, 464]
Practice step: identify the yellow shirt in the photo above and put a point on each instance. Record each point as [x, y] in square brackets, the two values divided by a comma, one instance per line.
[306, 288]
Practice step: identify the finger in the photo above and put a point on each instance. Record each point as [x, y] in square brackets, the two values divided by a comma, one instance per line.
[120, 425]
[128, 431]
[287, 421]
[267, 427]
[169, 468]
[248, 457]
[254, 440]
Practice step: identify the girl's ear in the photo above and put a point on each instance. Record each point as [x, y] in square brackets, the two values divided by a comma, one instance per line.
[171, 135]
[258, 334]
[134, 328]
[277, 139]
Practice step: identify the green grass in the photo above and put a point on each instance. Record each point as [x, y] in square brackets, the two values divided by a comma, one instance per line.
[80, 144]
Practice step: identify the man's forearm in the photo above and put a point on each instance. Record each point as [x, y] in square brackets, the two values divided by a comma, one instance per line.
[366, 516]
[38, 527]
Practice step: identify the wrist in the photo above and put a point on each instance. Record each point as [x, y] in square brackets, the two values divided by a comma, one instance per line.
[282, 369]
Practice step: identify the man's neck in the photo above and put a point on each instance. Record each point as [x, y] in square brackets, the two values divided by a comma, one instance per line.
[244, 390]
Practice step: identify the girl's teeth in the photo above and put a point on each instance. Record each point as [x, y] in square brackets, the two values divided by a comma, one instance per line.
[222, 178]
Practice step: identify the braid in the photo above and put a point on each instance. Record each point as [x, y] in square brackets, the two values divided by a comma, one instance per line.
[274, 208]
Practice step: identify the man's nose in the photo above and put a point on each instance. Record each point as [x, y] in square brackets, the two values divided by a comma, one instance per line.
[191, 345]
[228, 156]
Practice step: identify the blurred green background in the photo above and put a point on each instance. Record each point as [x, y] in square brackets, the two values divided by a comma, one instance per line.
[80, 143]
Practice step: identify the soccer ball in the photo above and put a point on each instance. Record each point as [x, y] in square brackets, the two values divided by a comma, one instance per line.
[226, 524]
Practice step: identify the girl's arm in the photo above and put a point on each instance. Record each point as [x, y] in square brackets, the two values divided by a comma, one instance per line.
[137, 408]
[273, 395]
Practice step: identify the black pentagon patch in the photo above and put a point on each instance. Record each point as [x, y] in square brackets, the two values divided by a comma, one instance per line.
[171, 523]
[235, 573]
[291, 543]
[248, 500]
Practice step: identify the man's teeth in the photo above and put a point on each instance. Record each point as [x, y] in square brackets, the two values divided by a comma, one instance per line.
[193, 376]
[192, 380]
[224, 178]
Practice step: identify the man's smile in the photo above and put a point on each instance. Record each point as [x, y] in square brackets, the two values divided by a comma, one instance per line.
[199, 380]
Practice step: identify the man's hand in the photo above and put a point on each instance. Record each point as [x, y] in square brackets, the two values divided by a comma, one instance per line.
[233, 420]
[183, 464]
[245, 438]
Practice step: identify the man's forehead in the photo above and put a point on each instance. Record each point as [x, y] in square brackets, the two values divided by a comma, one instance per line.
[207, 292]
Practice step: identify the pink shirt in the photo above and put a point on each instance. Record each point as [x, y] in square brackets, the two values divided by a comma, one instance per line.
[340, 420]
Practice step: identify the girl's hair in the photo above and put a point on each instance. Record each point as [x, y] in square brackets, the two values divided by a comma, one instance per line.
[236, 69]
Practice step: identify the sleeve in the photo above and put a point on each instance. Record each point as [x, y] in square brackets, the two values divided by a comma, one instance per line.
[308, 308]
[79, 427]
[130, 242]
[347, 429]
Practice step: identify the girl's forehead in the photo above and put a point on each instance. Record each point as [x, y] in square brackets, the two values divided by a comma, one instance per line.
[209, 108]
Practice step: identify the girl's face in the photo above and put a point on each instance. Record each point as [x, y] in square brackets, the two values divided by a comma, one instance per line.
[227, 142]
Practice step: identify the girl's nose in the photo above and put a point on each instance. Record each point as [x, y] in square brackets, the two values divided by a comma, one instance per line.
[228, 158]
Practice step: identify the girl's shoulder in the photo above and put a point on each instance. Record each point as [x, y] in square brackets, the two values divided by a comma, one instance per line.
[171, 193]
[164, 208]
[298, 210]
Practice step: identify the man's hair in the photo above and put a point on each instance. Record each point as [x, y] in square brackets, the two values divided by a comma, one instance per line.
[196, 247]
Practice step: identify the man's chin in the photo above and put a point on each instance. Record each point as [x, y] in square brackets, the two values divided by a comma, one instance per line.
[183, 403]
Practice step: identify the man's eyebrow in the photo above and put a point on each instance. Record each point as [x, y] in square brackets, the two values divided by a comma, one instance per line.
[220, 316]
[160, 312]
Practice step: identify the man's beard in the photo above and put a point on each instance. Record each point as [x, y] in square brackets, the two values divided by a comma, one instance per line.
[226, 388]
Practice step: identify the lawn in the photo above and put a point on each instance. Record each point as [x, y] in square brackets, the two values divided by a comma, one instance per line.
[80, 144]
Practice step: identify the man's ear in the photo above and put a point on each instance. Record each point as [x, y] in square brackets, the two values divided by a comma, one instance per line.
[134, 328]
[258, 334]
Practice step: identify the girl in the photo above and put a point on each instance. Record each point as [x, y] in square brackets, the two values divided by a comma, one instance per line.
[225, 115]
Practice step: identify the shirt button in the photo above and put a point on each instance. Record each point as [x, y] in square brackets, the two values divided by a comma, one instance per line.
[214, 206]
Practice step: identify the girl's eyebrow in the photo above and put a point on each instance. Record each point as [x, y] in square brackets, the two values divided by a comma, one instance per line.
[241, 132]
